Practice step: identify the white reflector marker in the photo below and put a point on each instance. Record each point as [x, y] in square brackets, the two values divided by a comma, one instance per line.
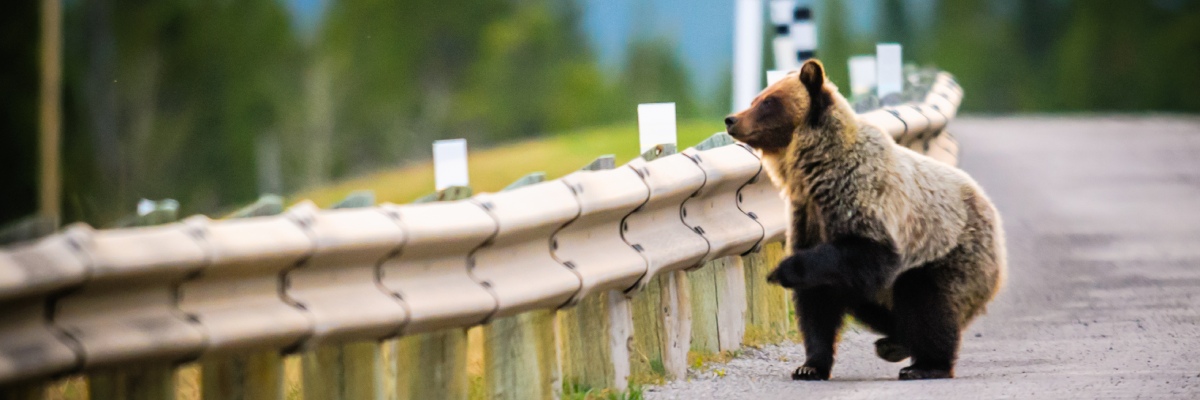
[775, 76]
[656, 125]
[862, 74]
[450, 163]
[888, 63]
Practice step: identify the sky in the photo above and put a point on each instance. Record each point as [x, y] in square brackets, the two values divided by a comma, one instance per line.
[702, 30]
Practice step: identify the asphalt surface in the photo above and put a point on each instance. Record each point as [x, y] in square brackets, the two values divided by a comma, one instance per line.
[1103, 298]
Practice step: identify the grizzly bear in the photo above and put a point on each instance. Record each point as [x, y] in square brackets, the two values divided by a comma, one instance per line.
[909, 246]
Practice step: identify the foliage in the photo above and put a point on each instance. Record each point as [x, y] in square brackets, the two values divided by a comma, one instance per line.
[19, 77]
[1035, 55]
[578, 392]
[214, 103]
[492, 169]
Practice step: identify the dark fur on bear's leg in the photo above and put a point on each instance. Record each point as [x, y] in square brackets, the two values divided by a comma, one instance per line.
[891, 350]
[926, 323]
[879, 319]
[821, 312]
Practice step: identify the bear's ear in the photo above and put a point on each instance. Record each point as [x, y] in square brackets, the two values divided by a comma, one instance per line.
[812, 75]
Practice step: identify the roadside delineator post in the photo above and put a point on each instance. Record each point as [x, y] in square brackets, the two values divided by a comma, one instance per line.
[889, 71]
[862, 74]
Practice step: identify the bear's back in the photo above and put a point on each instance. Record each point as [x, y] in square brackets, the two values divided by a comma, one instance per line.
[931, 212]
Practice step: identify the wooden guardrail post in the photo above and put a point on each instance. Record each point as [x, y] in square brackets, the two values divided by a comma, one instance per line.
[767, 319]
[25, 391]
[266, 205]
[146, 381]
[433, 365]
[718, 295]
[520, 353]
[348, 371]
[597, 331]
[256, 375]
[662, 318]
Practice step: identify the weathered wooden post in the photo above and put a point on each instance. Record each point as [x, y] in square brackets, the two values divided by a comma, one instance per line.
[520, 353]
[597, 331]
[145, 381]
[255, 375]
[434, 365]
[661, 317]
[348, 371]
[718, 294]
[767, 319]
[662, 309]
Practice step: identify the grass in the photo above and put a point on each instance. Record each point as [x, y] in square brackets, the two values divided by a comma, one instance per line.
[578, 392]
[494, 168]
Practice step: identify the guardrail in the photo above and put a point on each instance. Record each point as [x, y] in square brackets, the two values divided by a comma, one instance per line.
[85, 300]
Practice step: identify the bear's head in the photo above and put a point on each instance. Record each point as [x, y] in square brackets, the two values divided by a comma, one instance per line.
[800, 99]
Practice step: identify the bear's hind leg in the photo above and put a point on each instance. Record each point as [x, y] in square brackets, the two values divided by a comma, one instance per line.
[821, 312]
[926, 322]
[880, 320]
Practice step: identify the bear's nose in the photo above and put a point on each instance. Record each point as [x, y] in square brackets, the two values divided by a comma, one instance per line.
[729, 121]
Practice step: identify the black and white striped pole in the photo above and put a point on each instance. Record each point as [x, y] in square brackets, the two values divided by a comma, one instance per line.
[782, 12]
[804, 33]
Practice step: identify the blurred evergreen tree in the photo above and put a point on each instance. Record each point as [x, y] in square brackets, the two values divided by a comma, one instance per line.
[894, 27]
[836, 44]
[978, 47]
[393, 71]
[653, 73]
[166, 99]
[534, 75]
[19, 77]
[1129, 56]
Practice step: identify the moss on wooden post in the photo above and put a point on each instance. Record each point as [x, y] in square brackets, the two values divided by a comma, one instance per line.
[145, 382]
[661, 319]
[257, 375]
[703, 284]
[346, 371]
[432, 365]
[767, 319]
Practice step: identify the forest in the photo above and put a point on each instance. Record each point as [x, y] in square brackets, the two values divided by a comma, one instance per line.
[213, 103]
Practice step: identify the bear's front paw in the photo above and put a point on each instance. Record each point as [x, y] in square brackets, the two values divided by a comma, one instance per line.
[916, 373]
[807, 373]
[787, 274]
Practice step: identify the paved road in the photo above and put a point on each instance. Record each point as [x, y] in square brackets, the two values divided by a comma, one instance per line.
[1103, 299]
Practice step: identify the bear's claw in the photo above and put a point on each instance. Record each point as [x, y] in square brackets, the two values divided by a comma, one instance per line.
[807, 373]
[913, 373]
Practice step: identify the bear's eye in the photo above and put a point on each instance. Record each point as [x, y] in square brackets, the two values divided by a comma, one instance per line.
[769, 102]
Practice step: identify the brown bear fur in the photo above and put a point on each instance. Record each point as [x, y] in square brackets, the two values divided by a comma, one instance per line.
[910, 246]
